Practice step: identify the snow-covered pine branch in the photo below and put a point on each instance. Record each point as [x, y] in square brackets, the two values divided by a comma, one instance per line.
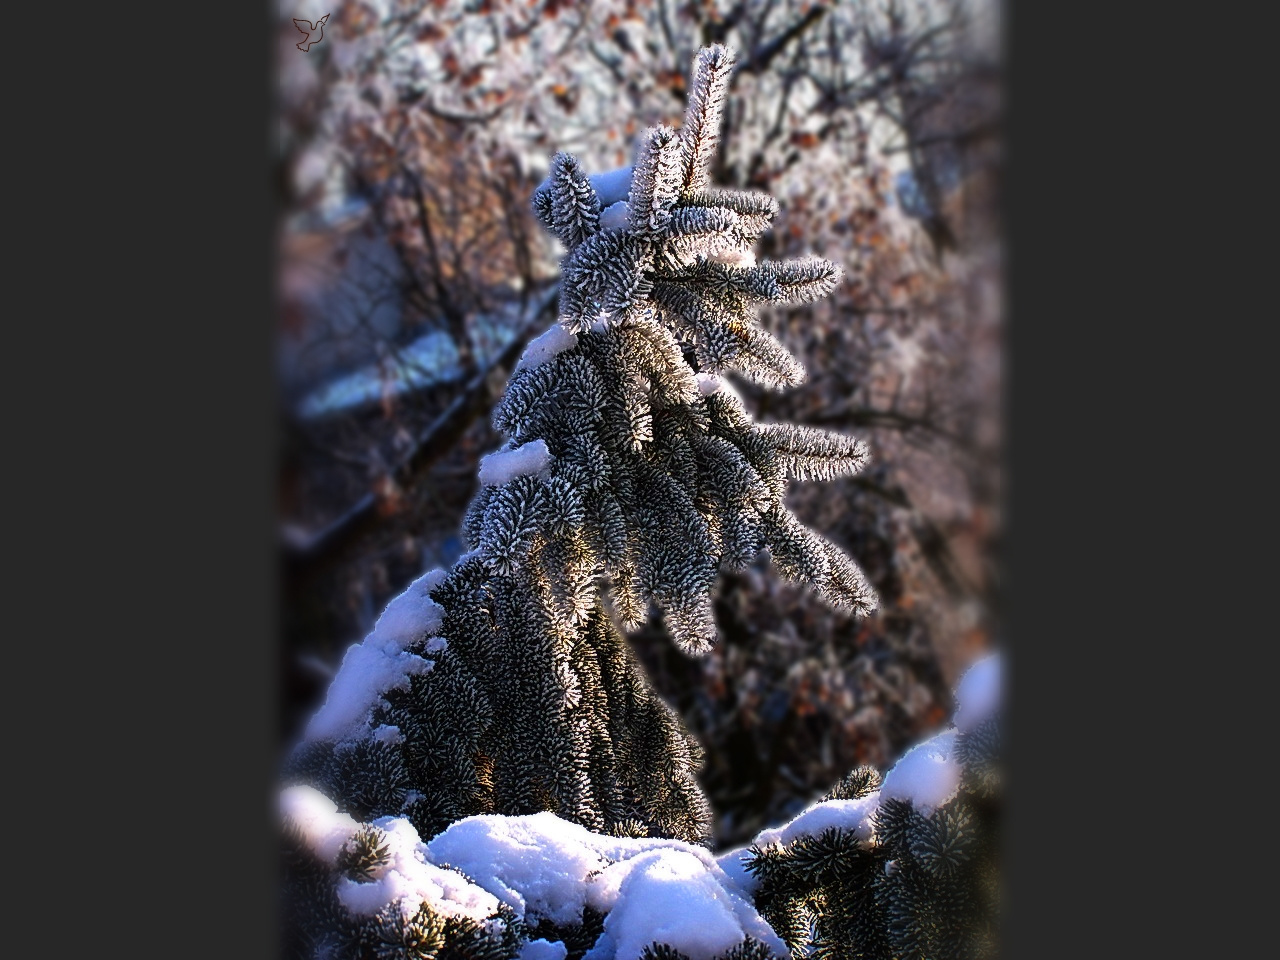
[901, 866]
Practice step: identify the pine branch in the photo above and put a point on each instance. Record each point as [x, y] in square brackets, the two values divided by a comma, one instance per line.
[700, 133]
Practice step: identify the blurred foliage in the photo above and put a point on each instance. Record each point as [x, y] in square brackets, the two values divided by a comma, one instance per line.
[408, 144]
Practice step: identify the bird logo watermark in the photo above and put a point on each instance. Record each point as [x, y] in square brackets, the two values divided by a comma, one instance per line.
[314, 32]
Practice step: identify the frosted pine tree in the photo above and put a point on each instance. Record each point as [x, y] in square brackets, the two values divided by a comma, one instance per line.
[631, 475]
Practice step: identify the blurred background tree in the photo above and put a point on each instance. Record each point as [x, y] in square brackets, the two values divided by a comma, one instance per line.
[412, 272]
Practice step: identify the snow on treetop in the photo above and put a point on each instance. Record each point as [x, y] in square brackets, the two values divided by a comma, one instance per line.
[500, 467]
[927, 776]
[978, 693]
[544, 866]
[406, 875]
[380, 663]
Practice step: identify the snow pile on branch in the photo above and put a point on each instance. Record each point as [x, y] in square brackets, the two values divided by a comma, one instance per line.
[978, 693]
[926, 776]
[499, 468]
[672, 897]
[708, 384]
[615, 216]
[854, 815]
[652, 889]
[405, 874]
[612, 185]
[543, 950]
[380, 663]
[545, 346]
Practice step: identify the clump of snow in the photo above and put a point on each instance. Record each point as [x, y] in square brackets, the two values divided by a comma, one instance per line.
[708, 383]
[543, 950]
[927, 776]
[535, 863]
[437, 645]
[544, 866]
[405, 874]
[409, 876]
[734, 864]
[380, 663]
[733, 257]
[611, 186]
[670, 896]
[323, 828]
[500, 467]
[978, 693]
[852, 815]
[411, 615]
[615, 216]
[385, 733]
[545, 346]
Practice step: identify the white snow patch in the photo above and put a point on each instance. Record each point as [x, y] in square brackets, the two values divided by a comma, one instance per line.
[734, 864]
[380, 663]
[411, 615]
[709, 383]
[612, 185]
[388, 734]
[323, 828]
[733, 257]
[542, 348]
[978, 693]
[853, 815]
[927, 775]
[615, 216]
[543, 950]
[544, 866]
[407, 875]
[670, 896]
[437, 644]
[500, 467]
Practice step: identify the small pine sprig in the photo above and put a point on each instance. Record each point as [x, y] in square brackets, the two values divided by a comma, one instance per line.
[700, 134]
[417, 936]
[859, 782]
[364, 855]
